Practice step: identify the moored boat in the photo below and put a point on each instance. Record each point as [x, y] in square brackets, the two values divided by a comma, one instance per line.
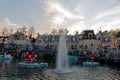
[32, 65]
[90, 64]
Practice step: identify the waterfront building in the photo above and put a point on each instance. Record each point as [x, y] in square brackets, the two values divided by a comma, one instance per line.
[52, 41]
[89, 40]
[118, 39]
[39, 41]
[3, 39]
[19, 39]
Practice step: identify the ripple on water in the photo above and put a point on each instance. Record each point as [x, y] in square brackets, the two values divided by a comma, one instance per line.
[11, 72]
[84, 73]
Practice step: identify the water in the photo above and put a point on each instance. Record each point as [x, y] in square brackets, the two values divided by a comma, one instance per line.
[10, 71]
[83, 73]
[62, 65]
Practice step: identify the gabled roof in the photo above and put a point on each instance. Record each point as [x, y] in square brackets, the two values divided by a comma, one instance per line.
[118, 35]
[87, 36]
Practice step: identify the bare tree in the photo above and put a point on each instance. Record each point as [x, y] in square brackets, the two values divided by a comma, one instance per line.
[60, 31]
[31, 31]
[24, 30]
[54, 32]
[5, 32]
[10, 31]
[63, 30]
[76, 32]
[112, 32]
[66, 31]
[19, 30]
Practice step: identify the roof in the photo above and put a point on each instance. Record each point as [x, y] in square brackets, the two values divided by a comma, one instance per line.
[88, 34]
[118, 35]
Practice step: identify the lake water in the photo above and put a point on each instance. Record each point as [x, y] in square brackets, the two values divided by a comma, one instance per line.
[10, 71]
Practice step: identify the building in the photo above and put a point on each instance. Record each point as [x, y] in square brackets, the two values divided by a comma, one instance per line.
[19, 39]
[3, 39]
[88, 40]
[118, 39]
[52, 41]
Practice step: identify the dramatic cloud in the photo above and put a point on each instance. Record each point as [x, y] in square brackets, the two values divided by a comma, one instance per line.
[71, 14]
[79, 15]
[6, 23]
[112, 12]
[57, 15]
[109, 19]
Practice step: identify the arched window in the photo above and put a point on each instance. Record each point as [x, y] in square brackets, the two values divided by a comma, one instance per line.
[86, 47]
[90, 35]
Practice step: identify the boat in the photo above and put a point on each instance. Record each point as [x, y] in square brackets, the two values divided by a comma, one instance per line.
[32, 65]
[6, 57]
[1, 58]
[73, 59]
[90, 64]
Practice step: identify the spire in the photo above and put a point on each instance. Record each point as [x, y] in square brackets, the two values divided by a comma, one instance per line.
[100, 28]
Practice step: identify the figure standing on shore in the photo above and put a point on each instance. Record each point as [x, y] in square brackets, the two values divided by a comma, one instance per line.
[92, 56]
[27, 57]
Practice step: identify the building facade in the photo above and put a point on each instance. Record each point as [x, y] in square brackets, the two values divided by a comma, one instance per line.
[89, 41]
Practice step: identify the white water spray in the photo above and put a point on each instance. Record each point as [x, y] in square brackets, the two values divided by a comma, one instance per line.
[62, 64]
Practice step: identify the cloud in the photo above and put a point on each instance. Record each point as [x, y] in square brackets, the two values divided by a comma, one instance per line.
[79, 15]
[106, 25]
[111, 12]
[6, 23]
[109, 19]
[56, 15]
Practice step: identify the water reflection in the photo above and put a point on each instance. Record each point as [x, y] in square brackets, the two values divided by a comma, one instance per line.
[85, 73]
[12, 72]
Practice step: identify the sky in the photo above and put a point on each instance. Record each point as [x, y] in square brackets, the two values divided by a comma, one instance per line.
[75, 15]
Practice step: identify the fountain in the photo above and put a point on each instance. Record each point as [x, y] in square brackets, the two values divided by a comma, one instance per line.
[62, 65]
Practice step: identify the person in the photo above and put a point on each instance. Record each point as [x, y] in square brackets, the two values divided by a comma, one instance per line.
[32, 57]
[5, 53]
[92, 56]
[27, 57]
[14, 54]
[35, 58]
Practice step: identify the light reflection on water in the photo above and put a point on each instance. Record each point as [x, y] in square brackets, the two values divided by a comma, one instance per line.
[9, 71]
[12, 72]
[84, 73]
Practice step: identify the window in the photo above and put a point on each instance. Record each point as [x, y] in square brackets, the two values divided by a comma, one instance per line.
[90, 35]
[73, 46]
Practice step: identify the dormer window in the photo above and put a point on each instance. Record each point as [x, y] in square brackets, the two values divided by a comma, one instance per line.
[90, 35]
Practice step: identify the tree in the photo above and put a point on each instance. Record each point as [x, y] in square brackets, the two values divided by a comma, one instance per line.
[5, 32]
[18, 30]
[10, 31]
[54, 32]
[76, 32]
[60, 31]
[117, 30]
[105, 32]
[22, 30]
[31, 31]
[63, 30]
[112, 32]
[66, 31]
